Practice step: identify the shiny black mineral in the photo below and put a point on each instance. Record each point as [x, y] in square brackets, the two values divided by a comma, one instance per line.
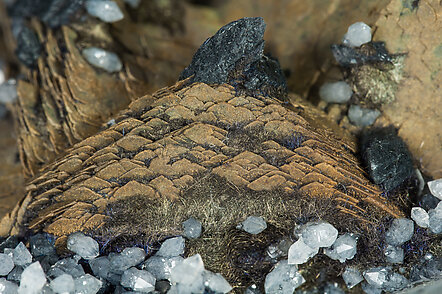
[386, 157]
[235, 55]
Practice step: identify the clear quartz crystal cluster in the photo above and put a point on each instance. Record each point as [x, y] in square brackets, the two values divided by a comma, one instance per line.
[41, 271]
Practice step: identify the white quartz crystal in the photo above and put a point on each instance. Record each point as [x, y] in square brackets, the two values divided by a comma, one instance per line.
[192, 228]
[106, 10]
[344, 248]
[254, 225]
[317, 235]
[8, 91]
[384, 278]
[63, 284]
[362, 116]
[400, 231]
[83, 245]
[436, 188]
[21, 255]
[357, 34]
[188, 275]
[7, 287]
[435, 223]
[338, 92]
[394, 254]
[161, 267]
[138, 280]
[300, 252]
[100, 266]
[6, 264]
[87, 284]
[103, 59]
[284, 278]
[33, 279]
[420, 217]
[216, 282]
[352, 277]
[172, 247]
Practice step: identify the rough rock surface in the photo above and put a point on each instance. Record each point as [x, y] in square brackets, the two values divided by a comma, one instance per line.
[411, 29]
[184, 142]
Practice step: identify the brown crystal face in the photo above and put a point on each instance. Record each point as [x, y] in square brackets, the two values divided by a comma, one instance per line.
[199, 150]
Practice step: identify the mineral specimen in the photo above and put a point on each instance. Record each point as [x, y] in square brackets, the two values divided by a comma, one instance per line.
[357, 34]
[338, 92]
[362, 117]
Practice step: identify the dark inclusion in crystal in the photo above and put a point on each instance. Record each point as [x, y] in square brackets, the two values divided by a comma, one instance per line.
[386, 157]
[28, 47]
[54, 13]
[373, 52]
[235, 55]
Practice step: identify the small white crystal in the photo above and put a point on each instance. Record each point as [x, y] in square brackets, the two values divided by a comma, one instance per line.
[394, 254]
[103, 59]
[344, 248]
[357, 34]
[33, 279]
[362, 116]
[188, 275]
[8, 91]
[284, 278]
[192, 228]
[6, 264]
[299, 252]
[129, 257]
[63, 284]
[87, 284]
[21, 255]
[420, 217]
[352, 277]
[216, 282]
[384, 278]
[161, 267]
[7, 287]
[83, 245]
[400, 231]
[106, 10]
[338, 92]
[138, 280]
[436, 188]
[435, 223]
[66, 266]
[100, 266]
[254, 225]
[319, 235]
[172, 247]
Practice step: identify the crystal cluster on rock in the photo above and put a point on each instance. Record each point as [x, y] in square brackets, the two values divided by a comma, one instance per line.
[253, 225]
[284, 278]
[138, 280]
[106, 10]
[192, 228]
[337, 92]
[344, 248]
[420, 217]
[385, 279]
[435, 187]
[435, 219]
[312, 236]
[103, 59]
[394, 254]
[362, 117]
[400, 231]
[83, 245]
[357, 34]
[352, 277]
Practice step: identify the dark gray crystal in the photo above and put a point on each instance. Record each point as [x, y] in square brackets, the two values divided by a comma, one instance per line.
[388, 161]
[234, 55]
[373, 52]
[28, 47]
[10, 242]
